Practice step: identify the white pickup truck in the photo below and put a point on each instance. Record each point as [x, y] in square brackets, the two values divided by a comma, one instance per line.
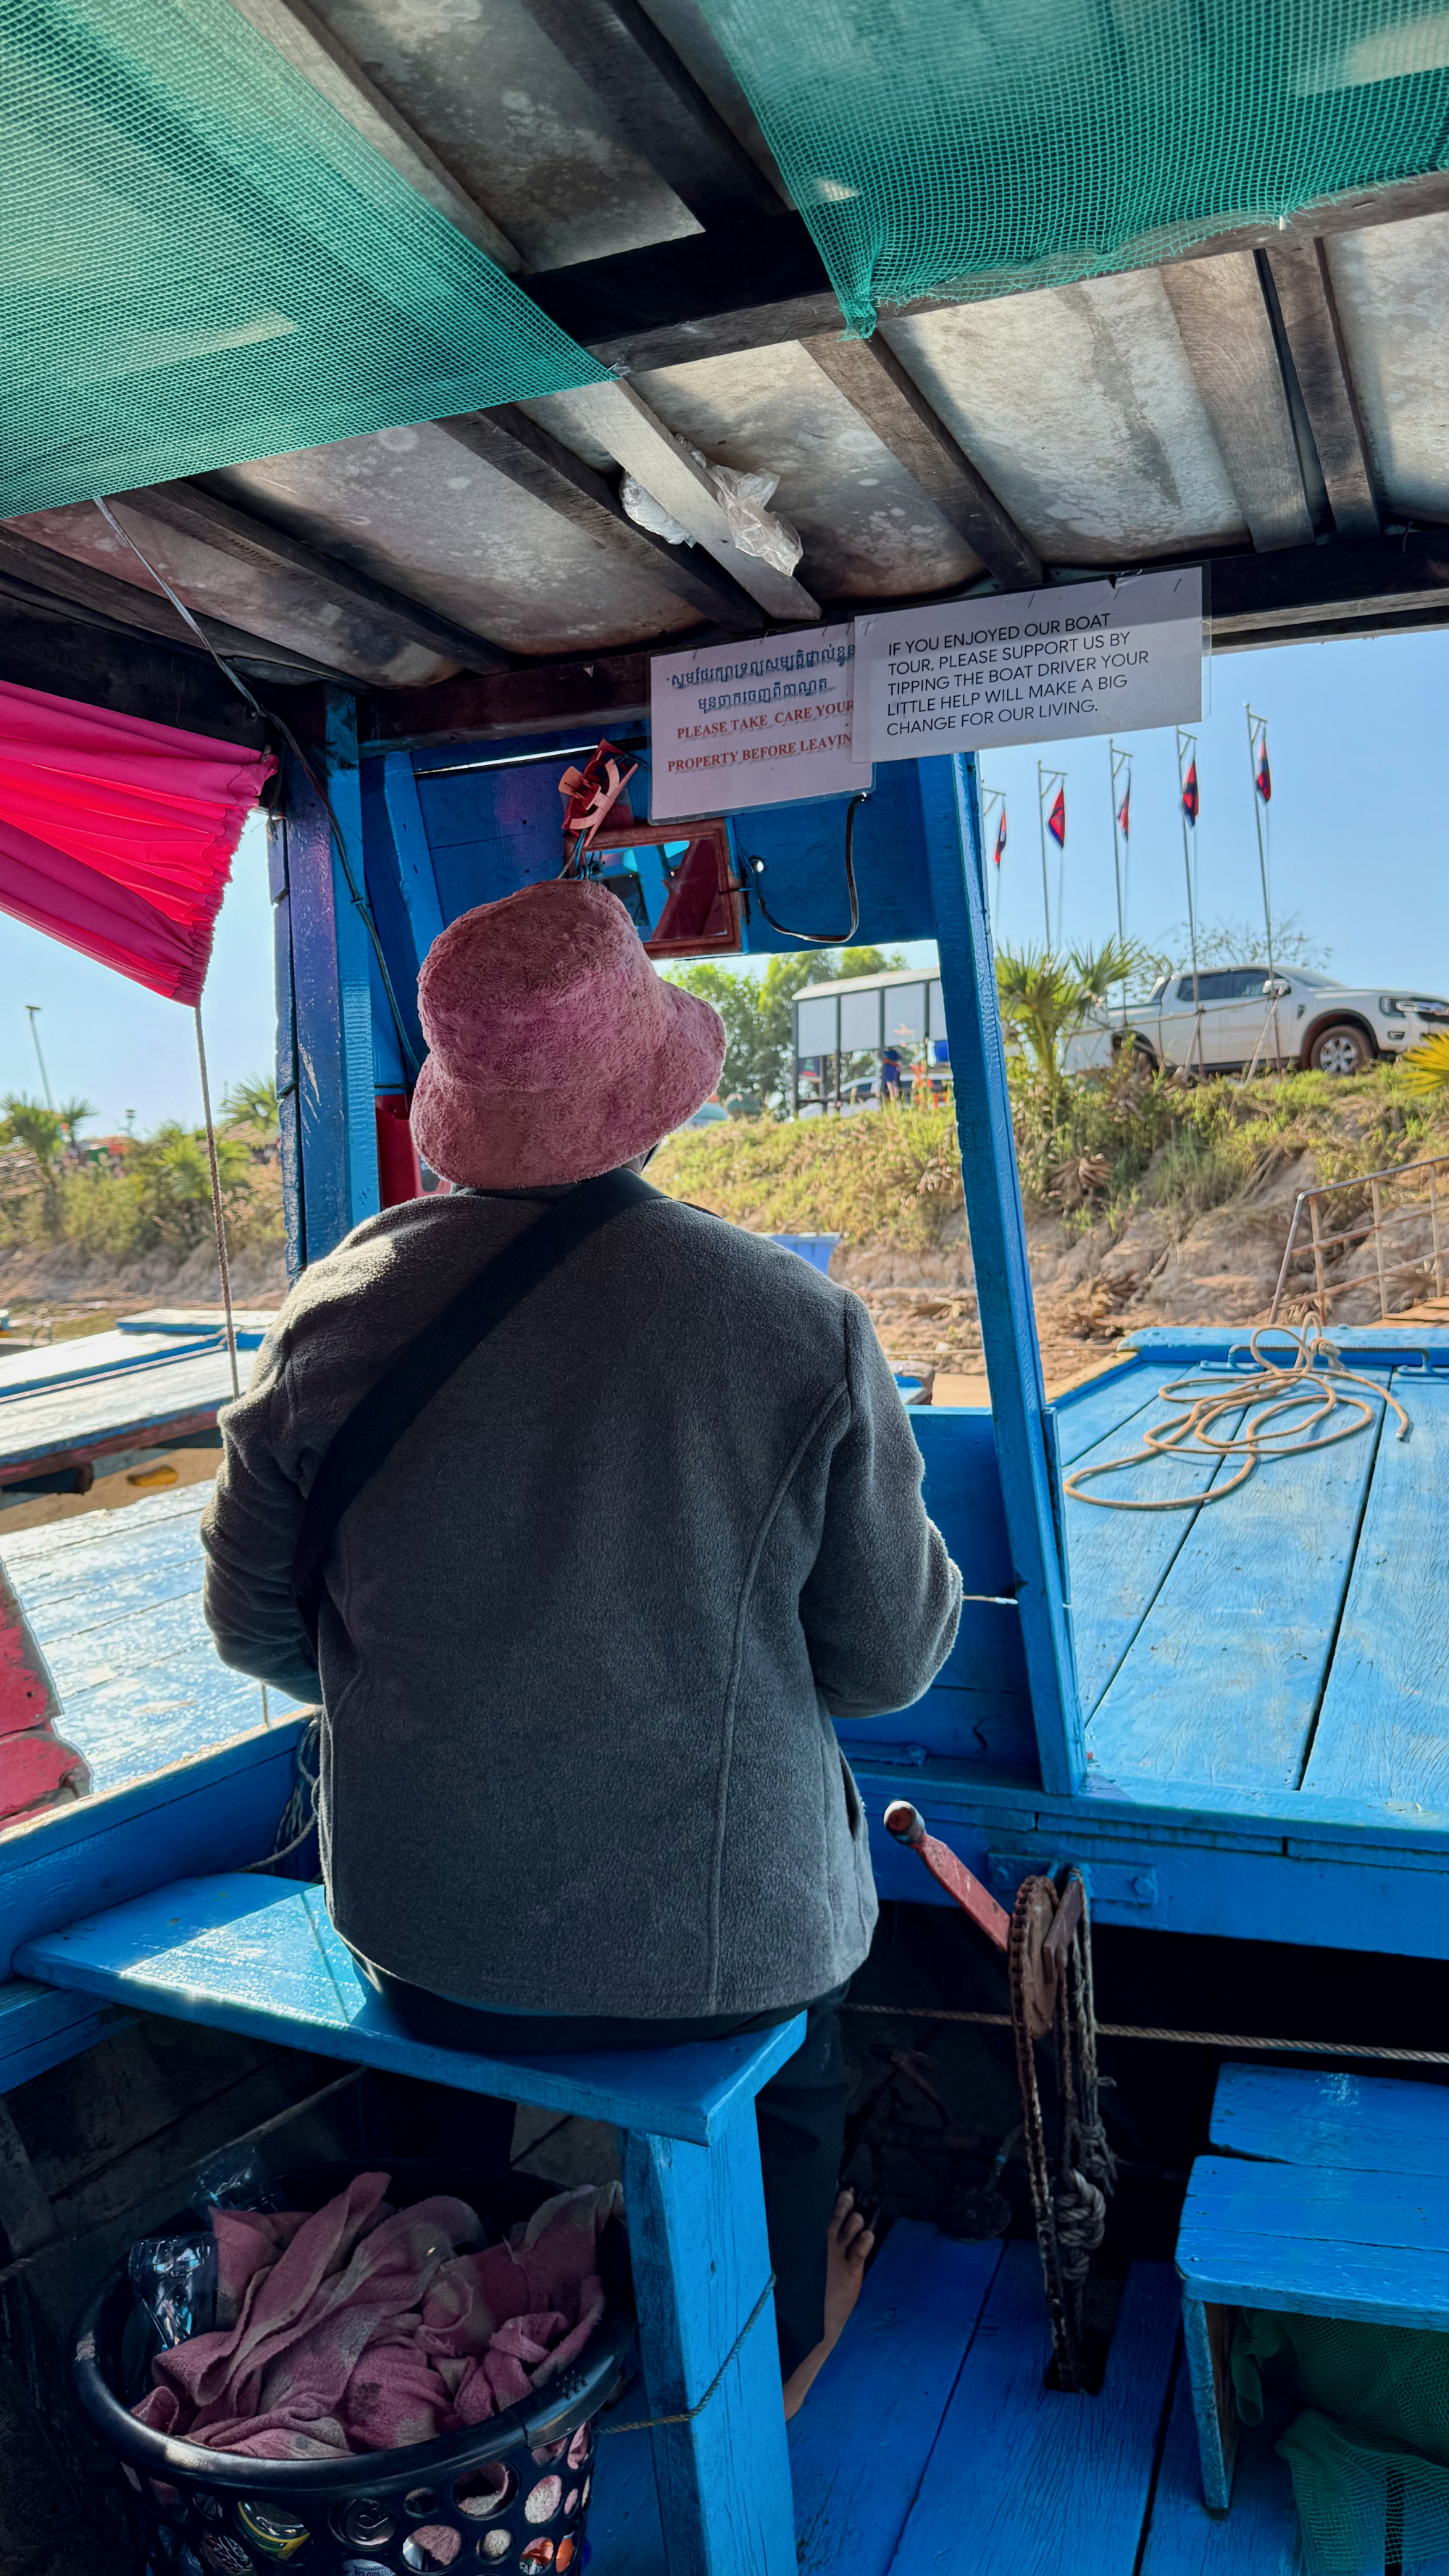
[1301, 1018]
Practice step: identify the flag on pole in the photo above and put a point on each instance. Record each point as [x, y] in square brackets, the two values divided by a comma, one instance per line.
[1263, 776]
[1190, 799]
[1000, 850]
[1057, 819]
[1124, 813]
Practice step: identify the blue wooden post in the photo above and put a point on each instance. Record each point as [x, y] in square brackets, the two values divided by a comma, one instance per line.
[414, 856]
[701, 2265]
[950, 800]
[288, 1119]
[332, 996]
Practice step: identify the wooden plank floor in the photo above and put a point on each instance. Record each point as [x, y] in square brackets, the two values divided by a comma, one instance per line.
[930, 2447]
[114, 1600]
[1286, 1637]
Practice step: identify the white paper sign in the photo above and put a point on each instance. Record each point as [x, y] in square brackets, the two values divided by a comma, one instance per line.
[1036, 666]
[753, 724]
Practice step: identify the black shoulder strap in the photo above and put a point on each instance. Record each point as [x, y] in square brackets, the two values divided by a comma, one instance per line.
[374, 1427]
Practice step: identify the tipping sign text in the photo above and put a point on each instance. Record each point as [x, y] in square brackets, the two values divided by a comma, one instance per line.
[1037, 666]
[753, 724]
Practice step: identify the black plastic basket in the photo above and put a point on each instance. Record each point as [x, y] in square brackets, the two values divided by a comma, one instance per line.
[510, 2494]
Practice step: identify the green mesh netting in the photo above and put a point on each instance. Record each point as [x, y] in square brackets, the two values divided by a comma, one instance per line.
[1369, 2452]
[201, 261]
[974, 147]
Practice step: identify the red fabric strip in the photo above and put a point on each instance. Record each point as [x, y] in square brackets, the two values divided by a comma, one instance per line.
[117, 835]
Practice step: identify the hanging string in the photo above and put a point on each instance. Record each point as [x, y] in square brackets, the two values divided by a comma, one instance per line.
[217, 1217]
[223, 1265]
[269, 717]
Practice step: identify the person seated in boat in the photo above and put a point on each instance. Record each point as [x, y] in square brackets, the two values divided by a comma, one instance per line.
[582, 1633]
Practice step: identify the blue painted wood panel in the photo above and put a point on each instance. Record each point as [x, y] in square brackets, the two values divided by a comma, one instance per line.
[860, 2446]
[218, 1810]
[1383, 1728]
[1284, 2115]
[1149, 1879]
[950, 806]
[40, 2028]
[962, 1492]
[1025, 2479]
[700, 2261]
[260, 1955]
[332, 997]
[1260, 2535]
[1118, 1561]
[1225, 1673]
[1316, 2242]
[114, 1599]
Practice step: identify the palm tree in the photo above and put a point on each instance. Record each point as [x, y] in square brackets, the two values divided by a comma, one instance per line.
[252, 1103]
[30, 1123]
[1043, 996]
[73, 1114]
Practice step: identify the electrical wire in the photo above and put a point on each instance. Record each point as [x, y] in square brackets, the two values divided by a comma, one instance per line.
[811, 938]
[268, 717]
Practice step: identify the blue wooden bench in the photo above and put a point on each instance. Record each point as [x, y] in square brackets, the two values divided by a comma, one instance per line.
[260, 1956]
[1325, 2196]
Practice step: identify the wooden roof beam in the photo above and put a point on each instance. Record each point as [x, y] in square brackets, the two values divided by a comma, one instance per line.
[657, 105]
[1311, 326]
[538, 463]
[310, 46]
[219, 524]
[1227, 333]
[639, 442]
[43, 574]
[891, 403]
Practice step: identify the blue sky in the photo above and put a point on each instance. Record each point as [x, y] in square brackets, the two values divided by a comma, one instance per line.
[1357, 734]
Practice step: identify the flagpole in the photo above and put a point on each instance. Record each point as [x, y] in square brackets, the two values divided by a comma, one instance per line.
[1187, 742]
[1258, 742]
[1118, 760]
[1046, 900]
[995, 796]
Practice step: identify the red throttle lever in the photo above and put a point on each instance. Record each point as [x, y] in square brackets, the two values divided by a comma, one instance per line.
[903, 1821]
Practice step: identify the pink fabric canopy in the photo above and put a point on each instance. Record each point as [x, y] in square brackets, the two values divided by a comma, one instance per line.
[116, 834]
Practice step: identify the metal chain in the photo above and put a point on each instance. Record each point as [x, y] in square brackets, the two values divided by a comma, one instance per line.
[1038, 2166]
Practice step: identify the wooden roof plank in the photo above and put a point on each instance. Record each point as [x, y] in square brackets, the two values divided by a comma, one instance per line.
[538, 463]
[657, 104]
[1310, 322]
[1228, 336]
[891, 403]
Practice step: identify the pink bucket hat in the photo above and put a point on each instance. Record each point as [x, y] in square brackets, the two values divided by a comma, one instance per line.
[557, 1052]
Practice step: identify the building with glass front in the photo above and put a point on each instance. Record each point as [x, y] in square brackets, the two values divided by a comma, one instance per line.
[867, 1039]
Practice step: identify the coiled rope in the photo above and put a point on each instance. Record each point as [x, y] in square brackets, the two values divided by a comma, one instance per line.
[1282, 1403]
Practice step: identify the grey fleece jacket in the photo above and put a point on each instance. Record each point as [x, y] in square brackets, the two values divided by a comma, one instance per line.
[587, 1628]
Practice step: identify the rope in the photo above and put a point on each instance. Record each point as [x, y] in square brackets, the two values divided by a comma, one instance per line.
[652, 2423]
[299, 1816]
[217, 1218]
[1276, 1387]
[1181, 2038]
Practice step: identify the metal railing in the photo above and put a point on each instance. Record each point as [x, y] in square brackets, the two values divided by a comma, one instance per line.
[1372, 1230]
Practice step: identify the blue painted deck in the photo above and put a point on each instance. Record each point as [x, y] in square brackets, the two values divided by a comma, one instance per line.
[106, 1393]
[930, 2444]
[1264, 1682]
[114, 1601]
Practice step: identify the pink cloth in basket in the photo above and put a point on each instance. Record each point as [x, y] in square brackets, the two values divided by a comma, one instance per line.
[364, 2328]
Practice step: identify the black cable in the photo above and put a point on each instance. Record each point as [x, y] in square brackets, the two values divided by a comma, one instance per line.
[811, 938]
